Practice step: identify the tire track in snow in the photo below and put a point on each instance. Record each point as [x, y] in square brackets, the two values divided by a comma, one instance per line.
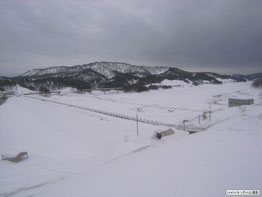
[24, 189]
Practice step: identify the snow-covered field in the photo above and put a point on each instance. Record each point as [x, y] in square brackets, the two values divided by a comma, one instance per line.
[77, 152]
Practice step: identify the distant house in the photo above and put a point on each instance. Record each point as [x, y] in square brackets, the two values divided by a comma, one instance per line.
[2, 97]
[167, 132]
[1, 94]
[238, 102]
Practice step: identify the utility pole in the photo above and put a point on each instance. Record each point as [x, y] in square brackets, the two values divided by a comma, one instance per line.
[199, 119]
[184, 122]
[209, 112]
[137, 125]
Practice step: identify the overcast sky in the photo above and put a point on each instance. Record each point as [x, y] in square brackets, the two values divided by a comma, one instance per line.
[223, 36]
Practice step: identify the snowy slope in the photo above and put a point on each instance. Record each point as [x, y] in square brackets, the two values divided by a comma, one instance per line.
[48, 71]
[112, 75]
[106, 69]
[206, 164]
[74, 152]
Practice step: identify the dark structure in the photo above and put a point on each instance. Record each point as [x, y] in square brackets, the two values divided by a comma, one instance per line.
[238, 102]
[20, 157]
[161, 134]
[2, 97]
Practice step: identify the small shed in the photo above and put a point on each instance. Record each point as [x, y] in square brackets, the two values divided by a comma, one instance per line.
[19, 157]
[238, 102]
[167, 132]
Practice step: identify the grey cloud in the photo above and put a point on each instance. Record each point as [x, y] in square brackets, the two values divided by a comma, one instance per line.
[222, 36]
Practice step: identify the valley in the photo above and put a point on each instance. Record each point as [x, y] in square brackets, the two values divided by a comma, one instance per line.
[77, 149]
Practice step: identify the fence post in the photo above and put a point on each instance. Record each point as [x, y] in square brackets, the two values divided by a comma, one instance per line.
[137, 125]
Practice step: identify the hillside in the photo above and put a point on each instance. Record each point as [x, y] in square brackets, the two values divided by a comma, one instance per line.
[110, 75]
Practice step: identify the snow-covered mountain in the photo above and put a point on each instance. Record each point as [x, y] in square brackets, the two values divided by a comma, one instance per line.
[248, 76]
[107, 69]
[111, 75]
